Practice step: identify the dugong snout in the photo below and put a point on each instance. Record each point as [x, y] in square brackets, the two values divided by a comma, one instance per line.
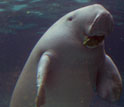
[102, 24]
[98, 25]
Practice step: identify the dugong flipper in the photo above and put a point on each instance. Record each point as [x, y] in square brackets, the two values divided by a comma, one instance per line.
[68, 62]
[43, 68]
[109, 82]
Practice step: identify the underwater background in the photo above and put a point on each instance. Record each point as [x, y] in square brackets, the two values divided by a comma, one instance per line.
[22, 23]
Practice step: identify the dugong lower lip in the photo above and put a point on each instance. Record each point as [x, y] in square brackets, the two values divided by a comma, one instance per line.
[93, 41]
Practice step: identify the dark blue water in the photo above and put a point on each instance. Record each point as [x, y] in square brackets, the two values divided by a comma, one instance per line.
[22, 23]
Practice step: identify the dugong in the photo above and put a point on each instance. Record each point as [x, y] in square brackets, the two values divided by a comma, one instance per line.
[69, 62]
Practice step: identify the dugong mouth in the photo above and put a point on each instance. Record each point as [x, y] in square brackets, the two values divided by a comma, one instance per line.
[93, 41]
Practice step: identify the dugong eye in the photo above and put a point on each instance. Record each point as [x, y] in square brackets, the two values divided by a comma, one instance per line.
[70, 18]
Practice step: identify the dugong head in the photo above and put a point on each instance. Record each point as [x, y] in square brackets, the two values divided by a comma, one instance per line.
[92, 23]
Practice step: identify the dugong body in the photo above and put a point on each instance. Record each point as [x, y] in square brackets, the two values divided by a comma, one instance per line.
[68, 62]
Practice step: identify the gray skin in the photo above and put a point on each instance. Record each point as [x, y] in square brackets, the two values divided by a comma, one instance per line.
[62, 70]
